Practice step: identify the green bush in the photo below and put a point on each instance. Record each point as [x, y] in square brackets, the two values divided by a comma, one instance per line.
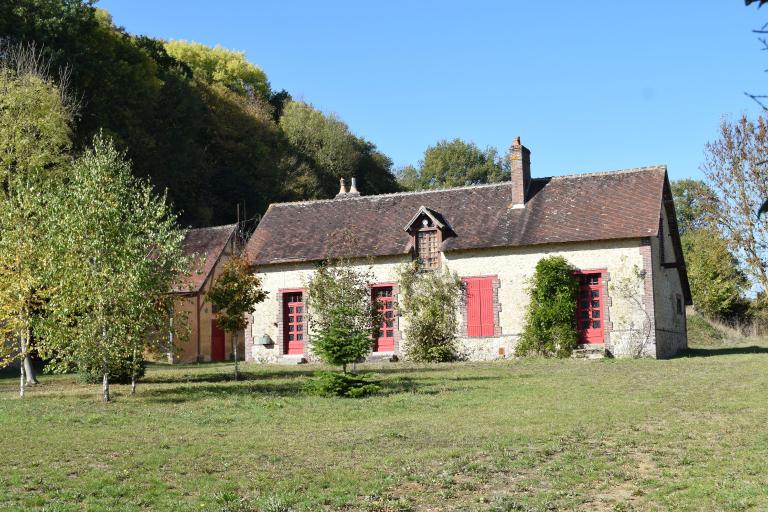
[345, 385]
[429, 304]
[550, 323]
[118, 373]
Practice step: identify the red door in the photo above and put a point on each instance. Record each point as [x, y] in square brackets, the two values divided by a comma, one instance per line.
[293, 323]
[385, 341]
[589, 310]
[217, 342]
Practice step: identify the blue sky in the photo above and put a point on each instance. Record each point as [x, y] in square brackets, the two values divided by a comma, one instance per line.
[589, 86]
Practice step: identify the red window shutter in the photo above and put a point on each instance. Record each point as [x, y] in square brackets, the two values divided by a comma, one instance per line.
[479, 306]
[474, 322]
[486, 306]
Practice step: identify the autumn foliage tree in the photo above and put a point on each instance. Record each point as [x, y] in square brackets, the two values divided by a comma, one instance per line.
[735, 167]
[36, 117]
[236, 291]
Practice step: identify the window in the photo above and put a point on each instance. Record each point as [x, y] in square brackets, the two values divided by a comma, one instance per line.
[385, 305]
[427, 250]
[480, 315]
[679, 304]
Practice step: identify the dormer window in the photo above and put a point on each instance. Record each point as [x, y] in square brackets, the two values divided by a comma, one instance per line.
[427, 241]
[428, 230]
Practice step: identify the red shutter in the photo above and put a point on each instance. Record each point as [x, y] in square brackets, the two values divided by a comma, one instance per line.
[486, 306]
[479, 306]
[474, 323]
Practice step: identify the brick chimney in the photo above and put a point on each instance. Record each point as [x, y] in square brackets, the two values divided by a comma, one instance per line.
[520, 167]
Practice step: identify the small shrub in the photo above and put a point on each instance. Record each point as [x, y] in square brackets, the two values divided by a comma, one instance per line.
[119, 374]
[550, 323]
[345, 385]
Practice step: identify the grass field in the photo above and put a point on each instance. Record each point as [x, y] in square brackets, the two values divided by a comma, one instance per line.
[685, 434]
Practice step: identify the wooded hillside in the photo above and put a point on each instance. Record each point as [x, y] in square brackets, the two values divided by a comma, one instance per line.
[201, 122]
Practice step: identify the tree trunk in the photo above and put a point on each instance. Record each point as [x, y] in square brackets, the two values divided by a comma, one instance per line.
[22, 369]
[29, 369]
[133, 373]
[234, 347]
[21, 382]
[105, 382]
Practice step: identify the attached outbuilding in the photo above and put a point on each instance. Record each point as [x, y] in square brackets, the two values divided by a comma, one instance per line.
[202, 339]
[617, 229]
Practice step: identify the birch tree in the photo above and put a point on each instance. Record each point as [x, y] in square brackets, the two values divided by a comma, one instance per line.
[117, 253]
[36, 117]
[236, 291]
[737, 171]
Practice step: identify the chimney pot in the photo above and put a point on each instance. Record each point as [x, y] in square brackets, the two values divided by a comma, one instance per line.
[353, 188]
[342, 189]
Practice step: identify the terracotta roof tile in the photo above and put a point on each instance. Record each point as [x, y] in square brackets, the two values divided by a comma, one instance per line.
[582, 207]
[205, 245]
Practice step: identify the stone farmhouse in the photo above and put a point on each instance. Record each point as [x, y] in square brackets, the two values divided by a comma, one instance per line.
[618, 229]
[210, 248]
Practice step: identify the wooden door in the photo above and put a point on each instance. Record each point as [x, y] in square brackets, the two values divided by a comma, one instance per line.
[479, 304]
[293, 324]
[218, 350]
[589, 310]
[385, 340]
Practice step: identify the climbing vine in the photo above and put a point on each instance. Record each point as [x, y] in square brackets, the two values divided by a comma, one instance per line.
[550, 322]
[630, 289]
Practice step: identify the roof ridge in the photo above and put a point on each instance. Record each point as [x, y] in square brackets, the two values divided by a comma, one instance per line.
[604, 173]
[210, 228]
[465, 187]
[392, 194]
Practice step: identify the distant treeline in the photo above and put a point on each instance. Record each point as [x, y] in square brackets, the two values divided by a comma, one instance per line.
[201, 122]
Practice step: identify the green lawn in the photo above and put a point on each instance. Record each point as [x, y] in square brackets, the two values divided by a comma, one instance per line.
[685, 434]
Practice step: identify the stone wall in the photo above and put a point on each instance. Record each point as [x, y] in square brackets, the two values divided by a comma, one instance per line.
[670, 322]
[512, 266]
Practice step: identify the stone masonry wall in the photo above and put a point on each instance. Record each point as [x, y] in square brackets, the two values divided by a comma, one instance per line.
[512, 267]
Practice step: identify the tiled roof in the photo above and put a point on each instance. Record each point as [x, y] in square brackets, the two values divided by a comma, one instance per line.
[205, 246]
[581, 207]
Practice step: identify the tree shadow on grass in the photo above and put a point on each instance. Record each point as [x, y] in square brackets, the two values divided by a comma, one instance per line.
[268, 372]
[190, 392]
[724, 351]
[225, 376]
[193, 393]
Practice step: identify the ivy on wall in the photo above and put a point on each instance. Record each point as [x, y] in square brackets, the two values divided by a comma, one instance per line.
[550, 322]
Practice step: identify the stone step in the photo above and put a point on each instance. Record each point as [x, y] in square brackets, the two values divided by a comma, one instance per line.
[291, 359]
[590, 351]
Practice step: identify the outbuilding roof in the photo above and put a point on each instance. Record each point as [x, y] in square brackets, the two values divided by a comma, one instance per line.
[576, 208]
[205, 246]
